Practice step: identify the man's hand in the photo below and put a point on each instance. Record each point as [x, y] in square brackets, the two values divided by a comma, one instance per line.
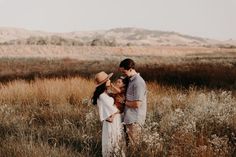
[133, 104]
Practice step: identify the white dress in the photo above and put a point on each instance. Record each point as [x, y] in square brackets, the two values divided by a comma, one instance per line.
[111, 132]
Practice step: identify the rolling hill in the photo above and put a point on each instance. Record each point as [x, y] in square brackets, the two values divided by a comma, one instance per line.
[112, 37]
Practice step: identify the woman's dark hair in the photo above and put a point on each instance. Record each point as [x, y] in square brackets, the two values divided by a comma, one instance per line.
[98, 91]
[127, 64]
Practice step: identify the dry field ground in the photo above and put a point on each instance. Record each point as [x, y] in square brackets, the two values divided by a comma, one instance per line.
[102, 52]
[45, 108]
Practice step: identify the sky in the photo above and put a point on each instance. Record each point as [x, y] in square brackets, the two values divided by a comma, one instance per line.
[214, 19]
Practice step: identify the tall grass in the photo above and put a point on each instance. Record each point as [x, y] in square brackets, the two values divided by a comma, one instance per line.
[181, 72]
[54, 117]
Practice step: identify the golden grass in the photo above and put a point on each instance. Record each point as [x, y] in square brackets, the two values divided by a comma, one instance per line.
[48, 113]
[202, 71]
[46, 92]
[54, 117]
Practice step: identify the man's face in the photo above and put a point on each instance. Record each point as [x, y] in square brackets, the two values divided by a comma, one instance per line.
[125, 72]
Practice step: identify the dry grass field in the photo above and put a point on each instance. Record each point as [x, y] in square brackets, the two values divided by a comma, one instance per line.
[197, 70]
[108, 52]
[53, 117]
[45, 108]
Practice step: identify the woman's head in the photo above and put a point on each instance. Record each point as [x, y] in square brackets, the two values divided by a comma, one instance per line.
[102, 81]
[102, 77]
[119, 83]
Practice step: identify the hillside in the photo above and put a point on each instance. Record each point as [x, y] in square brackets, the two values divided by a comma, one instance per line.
[112, 37]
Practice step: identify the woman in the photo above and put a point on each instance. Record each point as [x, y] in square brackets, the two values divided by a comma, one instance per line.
[118, 90]
[109, 115]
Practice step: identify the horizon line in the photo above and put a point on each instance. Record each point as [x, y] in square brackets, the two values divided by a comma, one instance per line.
[106, 29]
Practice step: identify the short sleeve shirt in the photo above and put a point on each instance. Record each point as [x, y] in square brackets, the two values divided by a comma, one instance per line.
[136, 91]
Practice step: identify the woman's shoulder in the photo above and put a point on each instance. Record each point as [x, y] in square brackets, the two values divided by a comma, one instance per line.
[105, 100]
[105, 96]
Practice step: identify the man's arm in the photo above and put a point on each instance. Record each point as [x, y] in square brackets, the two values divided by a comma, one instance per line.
[133, 104]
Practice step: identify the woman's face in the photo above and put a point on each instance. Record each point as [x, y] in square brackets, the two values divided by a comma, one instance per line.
[108, 83]
[119, 83]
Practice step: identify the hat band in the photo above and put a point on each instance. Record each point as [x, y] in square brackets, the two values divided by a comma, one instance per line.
[104, 80]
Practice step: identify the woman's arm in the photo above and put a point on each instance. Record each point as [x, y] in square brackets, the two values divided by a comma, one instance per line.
[116, 90]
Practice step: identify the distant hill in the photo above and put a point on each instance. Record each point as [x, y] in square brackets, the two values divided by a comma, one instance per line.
[112, 37]
[8, 34]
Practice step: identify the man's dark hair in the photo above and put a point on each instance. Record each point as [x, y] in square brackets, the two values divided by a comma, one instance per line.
[127, 64]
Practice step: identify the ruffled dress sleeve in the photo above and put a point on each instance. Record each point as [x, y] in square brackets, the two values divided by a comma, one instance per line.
[105, 106]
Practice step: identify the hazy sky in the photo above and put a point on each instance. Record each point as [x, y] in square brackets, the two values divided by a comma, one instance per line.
[205, 18]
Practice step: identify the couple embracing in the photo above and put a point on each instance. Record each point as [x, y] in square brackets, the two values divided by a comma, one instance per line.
[123, 102]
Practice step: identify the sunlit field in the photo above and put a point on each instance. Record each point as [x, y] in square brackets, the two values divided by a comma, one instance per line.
[45, 107]
[54, 117]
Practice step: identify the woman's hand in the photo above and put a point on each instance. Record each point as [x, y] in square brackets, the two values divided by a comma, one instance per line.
[111, 118]
[115, 89]
[120, 99]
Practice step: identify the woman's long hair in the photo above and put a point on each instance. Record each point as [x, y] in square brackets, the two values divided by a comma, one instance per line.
[98, 91]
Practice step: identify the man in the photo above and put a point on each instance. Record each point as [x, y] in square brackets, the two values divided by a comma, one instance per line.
[136, 101]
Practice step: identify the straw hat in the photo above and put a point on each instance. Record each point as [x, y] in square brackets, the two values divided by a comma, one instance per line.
[102, 77]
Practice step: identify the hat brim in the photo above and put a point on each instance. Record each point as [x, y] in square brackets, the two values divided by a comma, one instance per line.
[105, 80]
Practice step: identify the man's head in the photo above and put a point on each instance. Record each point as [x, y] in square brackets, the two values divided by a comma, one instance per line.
[127, 67]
